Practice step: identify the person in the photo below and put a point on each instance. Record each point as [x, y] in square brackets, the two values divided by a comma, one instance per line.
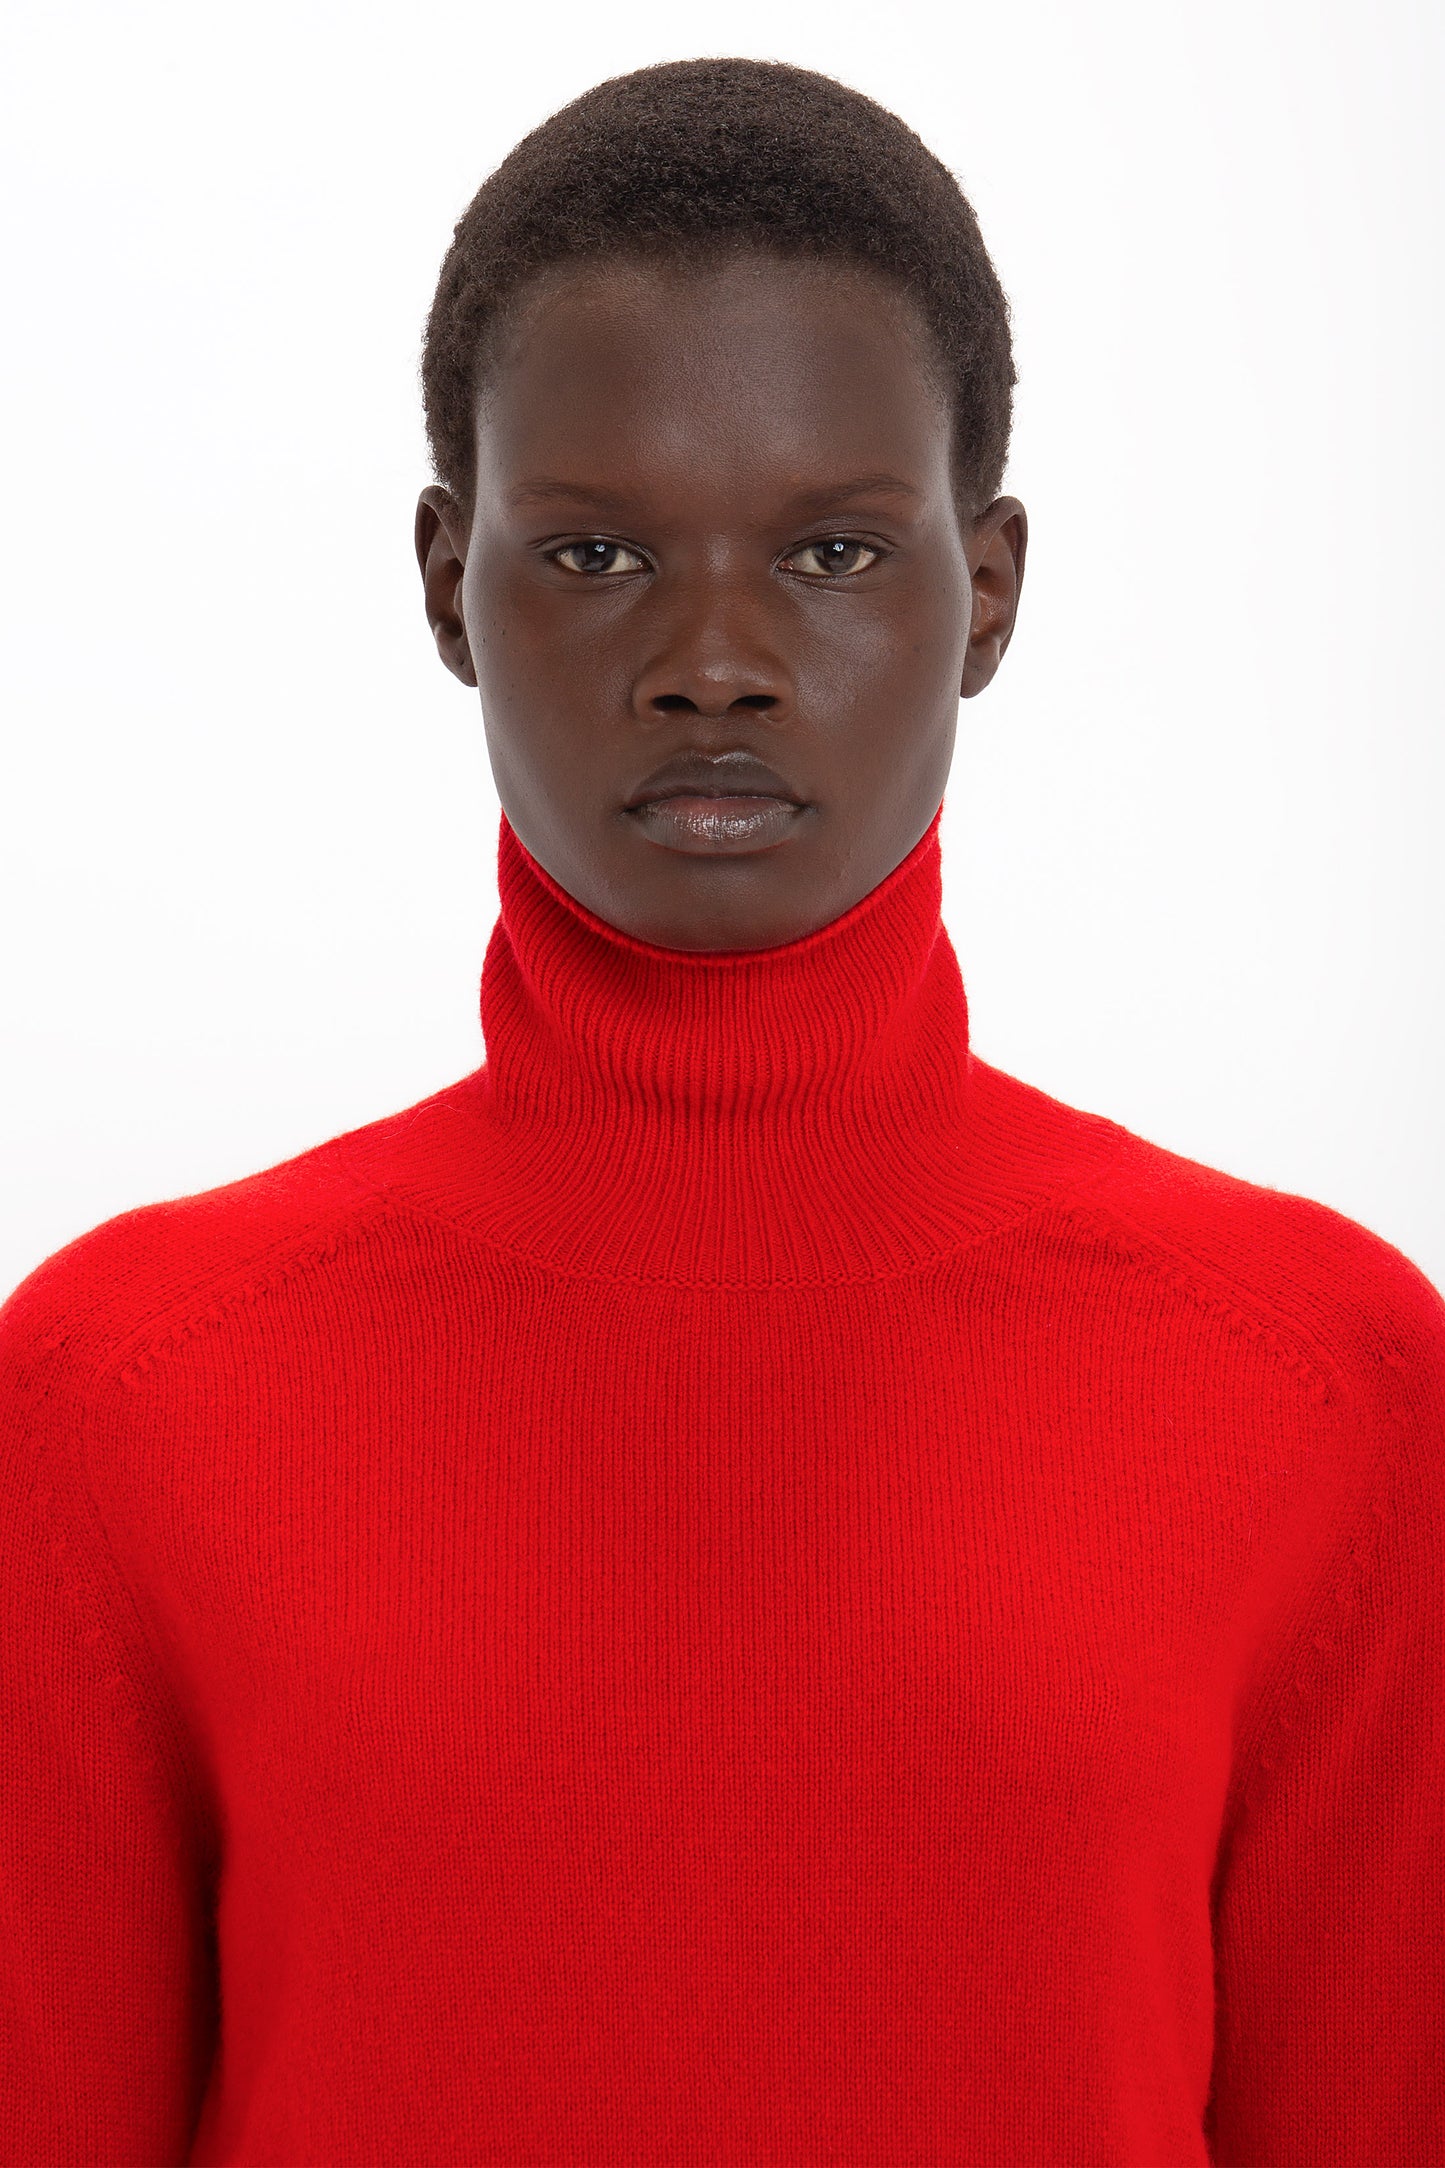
[738, 1584]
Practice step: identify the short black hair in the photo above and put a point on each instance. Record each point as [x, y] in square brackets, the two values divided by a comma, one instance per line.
[691, 160]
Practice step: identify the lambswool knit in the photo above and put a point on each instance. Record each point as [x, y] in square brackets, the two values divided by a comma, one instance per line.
[736, 1586]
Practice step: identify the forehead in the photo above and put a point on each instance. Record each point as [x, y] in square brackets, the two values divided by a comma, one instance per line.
[681, 374]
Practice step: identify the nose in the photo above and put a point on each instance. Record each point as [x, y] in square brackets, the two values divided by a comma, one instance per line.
[713, 650]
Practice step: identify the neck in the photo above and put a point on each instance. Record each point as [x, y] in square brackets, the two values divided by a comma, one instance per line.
[863, 1021]
[718, 1111]
[804, 1114]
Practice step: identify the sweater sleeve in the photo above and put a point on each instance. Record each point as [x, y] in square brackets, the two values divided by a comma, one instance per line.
[1329, 1900]
[106, 1974]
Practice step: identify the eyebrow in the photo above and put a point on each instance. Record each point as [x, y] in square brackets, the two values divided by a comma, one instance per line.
[546, 487]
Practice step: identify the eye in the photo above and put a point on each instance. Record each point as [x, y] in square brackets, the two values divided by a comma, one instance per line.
[592, 552]
[832, 562]
[595, 556]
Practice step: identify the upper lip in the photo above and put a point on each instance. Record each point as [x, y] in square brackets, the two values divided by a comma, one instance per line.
[688, 774]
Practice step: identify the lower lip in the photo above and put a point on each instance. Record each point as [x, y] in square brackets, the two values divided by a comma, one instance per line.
[718, 825]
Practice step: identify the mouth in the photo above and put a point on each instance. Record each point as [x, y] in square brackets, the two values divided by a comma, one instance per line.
[711, 823]
[687, 790]
[721, 789]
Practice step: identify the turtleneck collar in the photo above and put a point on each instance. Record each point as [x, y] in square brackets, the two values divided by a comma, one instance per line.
[807, 1113]
[859, 1025]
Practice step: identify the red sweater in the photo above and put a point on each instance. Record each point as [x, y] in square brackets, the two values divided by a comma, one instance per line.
[736, 1586]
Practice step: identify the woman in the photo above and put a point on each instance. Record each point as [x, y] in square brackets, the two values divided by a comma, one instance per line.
[737, 1585]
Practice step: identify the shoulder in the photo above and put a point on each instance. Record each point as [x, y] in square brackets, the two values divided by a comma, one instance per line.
[1325, 1288]
[86, 1312]
[1334, 1302]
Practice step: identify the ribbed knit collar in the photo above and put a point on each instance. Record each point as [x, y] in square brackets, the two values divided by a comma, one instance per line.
[806, 1113]
[857, 1027]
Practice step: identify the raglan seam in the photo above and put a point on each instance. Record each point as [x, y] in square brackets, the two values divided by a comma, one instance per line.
[1227, 1298]
[274, 1269]
[1330, 1602]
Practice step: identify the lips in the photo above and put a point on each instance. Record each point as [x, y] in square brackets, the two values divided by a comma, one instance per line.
[684, 790]
[695, 774]
[701, 823]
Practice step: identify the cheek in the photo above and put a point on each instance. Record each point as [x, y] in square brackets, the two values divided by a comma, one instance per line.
[512, 652]
[870, 656]
[546, 675]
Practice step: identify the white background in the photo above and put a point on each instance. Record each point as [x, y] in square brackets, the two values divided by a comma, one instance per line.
[1192, 839]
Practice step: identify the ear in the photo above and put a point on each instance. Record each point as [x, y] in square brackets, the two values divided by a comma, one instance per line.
[441, 551]
[996, 549]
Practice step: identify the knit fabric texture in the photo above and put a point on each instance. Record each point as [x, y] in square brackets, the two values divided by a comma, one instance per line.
[737, 1586]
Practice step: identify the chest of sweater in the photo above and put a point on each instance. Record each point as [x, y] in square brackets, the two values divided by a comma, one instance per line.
[676, 1690]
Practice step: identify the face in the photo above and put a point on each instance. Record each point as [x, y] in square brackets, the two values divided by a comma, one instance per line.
[714, 533]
